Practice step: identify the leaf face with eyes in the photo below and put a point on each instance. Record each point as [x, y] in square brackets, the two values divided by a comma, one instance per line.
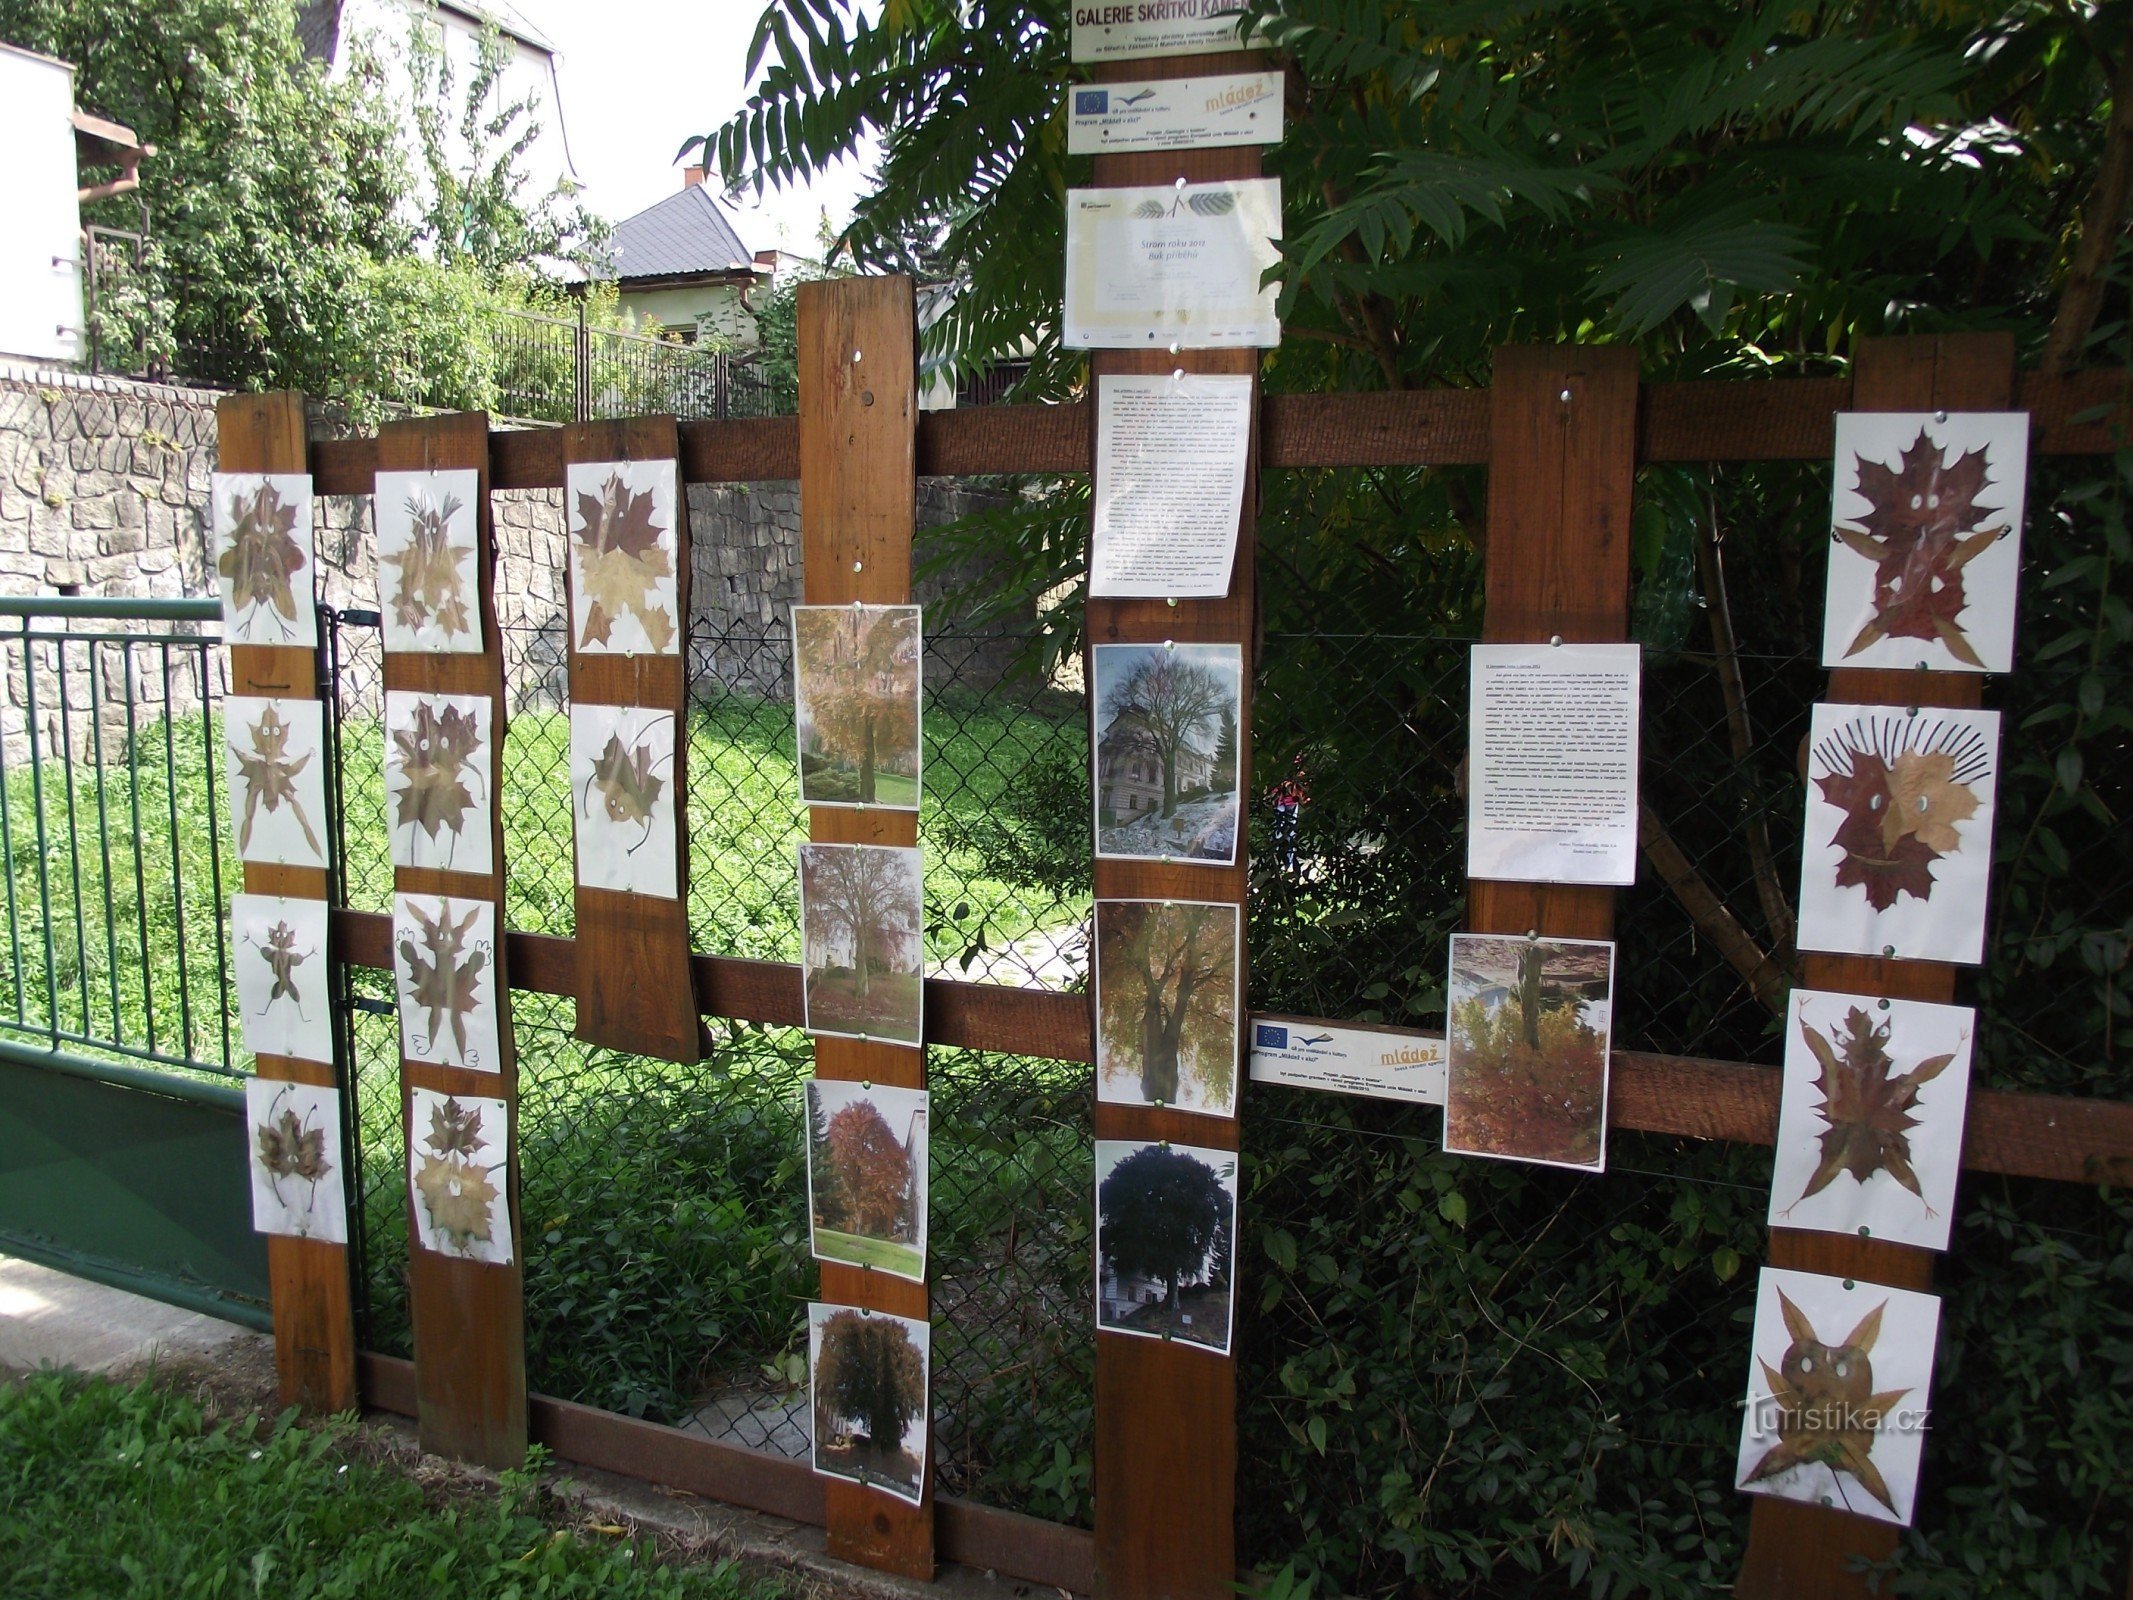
[1899, 818]
[263, 556]
[628, 787]
[433, 757]
[1920, 533]
[270, 775]
[1827, 1411]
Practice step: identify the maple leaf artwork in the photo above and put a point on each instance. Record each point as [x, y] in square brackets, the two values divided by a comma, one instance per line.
[1827, 1411]
[444, 971]
[1920, 532]
[621, 564]
[1867, 1111]
[286, 1148]
[629, 789]
[429, 586]
[455, 1189]
[435, 755]
[270, 774]
[262, 557]
[1903, 784]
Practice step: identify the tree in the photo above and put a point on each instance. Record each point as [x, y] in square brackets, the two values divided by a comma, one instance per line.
[1162, 1213]
[861, 669]
[864, 898]
[873, 1172]
[1169, 977]
[1171, 700]
[870, 1372]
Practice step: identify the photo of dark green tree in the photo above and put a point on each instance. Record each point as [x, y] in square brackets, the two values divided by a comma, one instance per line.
[1166, 1227]
[868, 1376]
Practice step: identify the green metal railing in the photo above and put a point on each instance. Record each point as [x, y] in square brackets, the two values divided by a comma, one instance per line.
[110, 843]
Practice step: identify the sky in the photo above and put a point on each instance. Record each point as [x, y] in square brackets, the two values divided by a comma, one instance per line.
[640, 76]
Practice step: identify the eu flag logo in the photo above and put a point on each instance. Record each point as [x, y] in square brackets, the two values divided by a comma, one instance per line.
[1268, 1037]
[1091, 102]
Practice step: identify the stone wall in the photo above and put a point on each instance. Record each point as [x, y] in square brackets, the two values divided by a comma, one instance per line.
[103, 491]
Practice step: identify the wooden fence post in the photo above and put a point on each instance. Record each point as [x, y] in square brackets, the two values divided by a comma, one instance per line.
[314, 1323]
[858, 361]
[1799, 1551]
[469, 1317]
[1165, 1486]
[635, 990]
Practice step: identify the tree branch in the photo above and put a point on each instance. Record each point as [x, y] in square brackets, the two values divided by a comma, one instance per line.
[2102, 220]
[1765, 976]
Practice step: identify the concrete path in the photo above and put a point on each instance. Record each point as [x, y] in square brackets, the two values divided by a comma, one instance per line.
[49, 1319]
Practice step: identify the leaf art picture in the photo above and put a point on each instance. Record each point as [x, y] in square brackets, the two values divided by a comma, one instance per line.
[458, 1168]
[278, 965]
[294, 1134]
[1899, 831]
[1837, 1393]
[444, 967]
[1871, 1132]
[625, 591]
[1925, 540]
[261, 527]
[277, 778]
[622, 783]
[438, 759]
[429, 588]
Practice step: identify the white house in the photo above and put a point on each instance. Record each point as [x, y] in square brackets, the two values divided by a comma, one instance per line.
[680, 264]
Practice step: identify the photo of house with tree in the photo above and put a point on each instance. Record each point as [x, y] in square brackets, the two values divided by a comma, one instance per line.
[1166, 750]
[1166, 1223]
[866, 1175]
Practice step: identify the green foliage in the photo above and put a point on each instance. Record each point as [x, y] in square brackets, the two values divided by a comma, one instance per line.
[109, 1489]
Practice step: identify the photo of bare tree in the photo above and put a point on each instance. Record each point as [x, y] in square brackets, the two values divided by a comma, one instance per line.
[1167, 980]
[856, 691]
[861, 915]
[1166, 750]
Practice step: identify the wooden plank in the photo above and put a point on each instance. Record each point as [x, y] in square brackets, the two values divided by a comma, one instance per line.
[469, 1320]
[1165, 1485]
[1005, 1542]
[1778, 419]
[1562, 473]
[1795, 1549]
[308, 1280]
[634, 985]
[2059, 1137]
[858, 512]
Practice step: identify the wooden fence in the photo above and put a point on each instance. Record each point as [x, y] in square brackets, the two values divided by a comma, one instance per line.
[1563, 431]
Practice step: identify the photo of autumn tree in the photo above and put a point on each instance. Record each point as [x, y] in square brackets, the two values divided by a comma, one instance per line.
[1167, 1004]
[861, 914]
[856, 687]
[1526, 1056]
[1166, 1227]
[866, 1175]
[869, 1373]
[1166, 750]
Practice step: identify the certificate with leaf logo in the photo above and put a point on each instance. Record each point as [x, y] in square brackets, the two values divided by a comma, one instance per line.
[1184, 265]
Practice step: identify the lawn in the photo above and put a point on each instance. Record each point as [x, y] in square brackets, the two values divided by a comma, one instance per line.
[109, 1489]
[888, 1010]
[883, 1254]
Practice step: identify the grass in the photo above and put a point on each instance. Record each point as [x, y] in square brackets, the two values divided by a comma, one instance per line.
[884, 1254]
[888, 1010]
[109, 1489]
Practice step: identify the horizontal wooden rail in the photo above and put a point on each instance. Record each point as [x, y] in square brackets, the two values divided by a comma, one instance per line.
[1006, 1542]
[2021, 1135]
[1784, 419]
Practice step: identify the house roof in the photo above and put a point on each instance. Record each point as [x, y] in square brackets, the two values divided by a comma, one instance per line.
[684, 235]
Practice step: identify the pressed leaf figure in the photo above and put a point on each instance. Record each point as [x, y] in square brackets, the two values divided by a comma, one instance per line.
[1903, 784]
[262, 559]
[282, 959]
[437, 762]
[1827, 1413]
[430, 581]
[288, 1149]
[1921, 532]
[269, 775]
[622, 563]
[445, 972]
[455, 1188]
[629, 788]
[292, 1153]
[1868, 1112]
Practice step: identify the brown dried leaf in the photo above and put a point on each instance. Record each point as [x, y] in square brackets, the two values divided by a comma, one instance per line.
[262, 556]
[270, 777]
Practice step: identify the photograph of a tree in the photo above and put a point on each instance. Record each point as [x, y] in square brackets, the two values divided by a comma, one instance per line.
[1166, 1219]
[1526, 1056]
[861, 912]
[1167, 1004]
[856, 688]
[869, 1373]
[1166, 750]
[866, 1175]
